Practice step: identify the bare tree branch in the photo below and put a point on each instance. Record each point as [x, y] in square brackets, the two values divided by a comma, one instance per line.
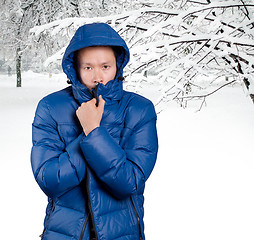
[207, 94]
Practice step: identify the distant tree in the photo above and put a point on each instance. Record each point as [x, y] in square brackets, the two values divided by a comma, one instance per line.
[22, 27]
[10, 18]
[18, 17]
[186, 49]
[16, 20]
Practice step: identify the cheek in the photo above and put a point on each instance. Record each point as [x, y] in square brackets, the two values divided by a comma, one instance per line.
[113, 73]
[84, 75]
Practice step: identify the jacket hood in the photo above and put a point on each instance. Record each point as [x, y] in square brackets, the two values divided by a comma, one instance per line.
[96, 34]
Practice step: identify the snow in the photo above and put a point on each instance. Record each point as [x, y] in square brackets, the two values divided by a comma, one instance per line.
[202, 184]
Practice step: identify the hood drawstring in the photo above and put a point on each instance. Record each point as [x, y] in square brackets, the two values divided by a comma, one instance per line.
[121, 78]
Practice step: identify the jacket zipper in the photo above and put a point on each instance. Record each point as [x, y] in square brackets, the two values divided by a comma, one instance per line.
[94, 93]
[89, 204]
[139, 226]
[44, 230]
[84, 227]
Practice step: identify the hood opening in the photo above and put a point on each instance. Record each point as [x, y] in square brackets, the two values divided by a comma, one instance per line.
[89, 35]
[120, 56]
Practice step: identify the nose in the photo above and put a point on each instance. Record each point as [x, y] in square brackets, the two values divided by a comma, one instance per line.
[98, 76]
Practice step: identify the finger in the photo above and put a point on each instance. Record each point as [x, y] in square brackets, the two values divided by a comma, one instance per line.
[101, 98]
[101, 102]
[77, 112]
[88, 103]
[93, 101]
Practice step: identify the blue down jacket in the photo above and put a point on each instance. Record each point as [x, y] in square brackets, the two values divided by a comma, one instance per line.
[95, 181]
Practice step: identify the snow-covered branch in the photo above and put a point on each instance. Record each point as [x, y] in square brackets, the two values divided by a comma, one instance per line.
[180, 51]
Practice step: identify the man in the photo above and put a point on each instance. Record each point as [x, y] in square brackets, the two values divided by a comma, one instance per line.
[94, 144]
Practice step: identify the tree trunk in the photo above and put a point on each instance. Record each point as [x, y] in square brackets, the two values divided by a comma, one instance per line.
[18, 67]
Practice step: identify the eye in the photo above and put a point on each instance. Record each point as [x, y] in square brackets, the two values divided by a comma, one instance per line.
[87, 68]
[106, 67]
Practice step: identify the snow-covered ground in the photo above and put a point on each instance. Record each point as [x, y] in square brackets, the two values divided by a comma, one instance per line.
[202, 184]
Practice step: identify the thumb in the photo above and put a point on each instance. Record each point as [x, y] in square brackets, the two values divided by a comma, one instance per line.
[101, 102]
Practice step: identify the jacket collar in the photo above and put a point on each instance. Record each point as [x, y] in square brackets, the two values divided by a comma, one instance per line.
[111, 92]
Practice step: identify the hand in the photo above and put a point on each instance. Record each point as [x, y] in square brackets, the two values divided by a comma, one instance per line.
[89, 115]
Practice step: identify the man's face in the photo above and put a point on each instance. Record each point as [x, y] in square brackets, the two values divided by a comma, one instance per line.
[96, 65]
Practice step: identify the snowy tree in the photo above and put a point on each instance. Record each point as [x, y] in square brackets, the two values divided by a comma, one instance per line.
[17, 17]
[10, 28]
[186, 49]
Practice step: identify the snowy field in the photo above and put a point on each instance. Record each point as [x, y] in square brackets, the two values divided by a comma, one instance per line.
[202, 184]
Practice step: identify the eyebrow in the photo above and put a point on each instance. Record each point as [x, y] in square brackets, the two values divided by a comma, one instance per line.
[87, 63]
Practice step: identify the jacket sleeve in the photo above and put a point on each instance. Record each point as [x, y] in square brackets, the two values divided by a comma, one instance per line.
[56, 167]
[124, 170]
